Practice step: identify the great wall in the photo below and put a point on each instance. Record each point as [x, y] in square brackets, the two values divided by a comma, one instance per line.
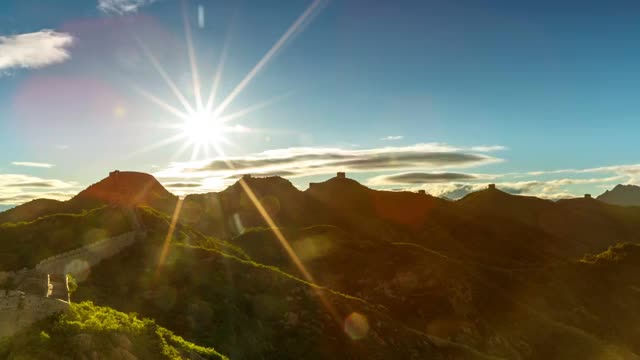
[44, 291]
[77, 261]
[19, 310]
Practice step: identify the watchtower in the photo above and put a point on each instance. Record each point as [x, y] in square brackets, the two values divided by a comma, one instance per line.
[341, 175]
[422, 192]
[588, 196]
[492, 186]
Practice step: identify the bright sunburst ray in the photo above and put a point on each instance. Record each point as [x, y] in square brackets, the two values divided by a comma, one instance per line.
[159, 144]
[161, 103]
[201, 125]
[174, 88]
[181, 150]
[218, 74]
[265, 59]
[248, 110]
[282, 240]
[196, 151]
[167, 240]
[195, 78]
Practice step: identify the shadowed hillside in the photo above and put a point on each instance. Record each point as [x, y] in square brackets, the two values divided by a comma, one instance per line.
[120, 188]
[125, 188]
[231, 211]
[624, 195]
[25, 244]
[356, 273]
[30, 210]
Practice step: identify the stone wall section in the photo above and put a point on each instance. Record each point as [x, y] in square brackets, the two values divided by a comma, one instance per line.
[79, 260]
[43, 291]
[19, 310]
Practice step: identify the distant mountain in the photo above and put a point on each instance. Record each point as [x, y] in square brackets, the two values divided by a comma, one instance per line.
[125, 188]
[624, 195]
[122, 188]
[30, 210]
[494, 201]
[230, 212]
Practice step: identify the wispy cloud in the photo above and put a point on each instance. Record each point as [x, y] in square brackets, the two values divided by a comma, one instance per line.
[392, 138]
[122, 6]
[34, 50]
[413, 178]
[440, 169]
[547, 189]
[16, 189]
[488, 148]
[182, 185]
[632, 171]
[308, 161]
[32, 164]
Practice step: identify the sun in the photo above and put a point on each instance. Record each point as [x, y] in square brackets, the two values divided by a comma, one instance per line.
[203, 122]
[203, 129]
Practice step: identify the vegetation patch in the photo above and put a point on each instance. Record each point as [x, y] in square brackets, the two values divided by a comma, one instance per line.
[87, 331]
[25, 244]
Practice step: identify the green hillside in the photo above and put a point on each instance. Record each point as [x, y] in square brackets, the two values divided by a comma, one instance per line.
[89, 331]
[25, 244]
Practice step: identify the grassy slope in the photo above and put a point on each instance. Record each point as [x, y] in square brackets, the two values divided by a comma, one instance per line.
[89, 331]
[500, 310]
[245, 309]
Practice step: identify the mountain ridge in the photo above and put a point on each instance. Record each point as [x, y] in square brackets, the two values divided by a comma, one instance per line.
[428, 277]
[623, 195]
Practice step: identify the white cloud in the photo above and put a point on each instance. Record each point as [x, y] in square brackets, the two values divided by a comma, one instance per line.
[32, 164]
[488, 148]
[34, 50]
[438, 168]
[547, 189]
[308, 161]
[414, 178]
[16, 189]
[122, 6]
[392, 138]
[629, 174]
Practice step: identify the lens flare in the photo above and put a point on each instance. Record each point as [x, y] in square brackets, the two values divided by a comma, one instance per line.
[356, 326]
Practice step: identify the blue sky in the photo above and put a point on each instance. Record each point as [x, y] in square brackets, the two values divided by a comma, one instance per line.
[539, 97]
